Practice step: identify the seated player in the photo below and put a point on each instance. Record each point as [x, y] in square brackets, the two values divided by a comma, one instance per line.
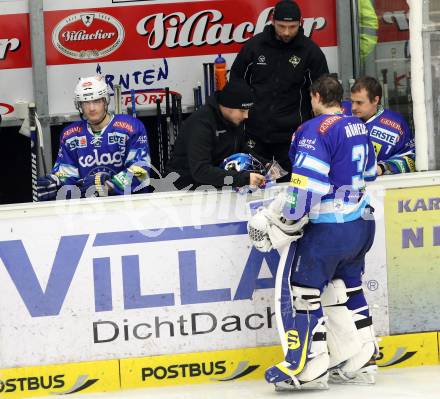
[389, 132]
[103, 154]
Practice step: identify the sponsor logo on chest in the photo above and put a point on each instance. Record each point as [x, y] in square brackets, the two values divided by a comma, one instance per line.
[117, 138]
[384, 135]
[96, 159]
[76, 142]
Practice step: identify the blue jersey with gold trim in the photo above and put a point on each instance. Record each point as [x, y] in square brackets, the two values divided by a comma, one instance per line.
[121, 150]
[392, 140]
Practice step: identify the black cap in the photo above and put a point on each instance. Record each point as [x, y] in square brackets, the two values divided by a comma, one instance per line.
[236, 94]
[287, 10]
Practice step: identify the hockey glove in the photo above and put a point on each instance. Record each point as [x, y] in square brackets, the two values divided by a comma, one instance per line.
[270, 229]
[47, 187]
[95, 185]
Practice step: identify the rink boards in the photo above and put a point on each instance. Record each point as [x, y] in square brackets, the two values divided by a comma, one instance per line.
[166, 289]
[192, 368]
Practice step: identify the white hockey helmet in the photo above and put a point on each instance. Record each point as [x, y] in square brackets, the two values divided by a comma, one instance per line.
[89, 89]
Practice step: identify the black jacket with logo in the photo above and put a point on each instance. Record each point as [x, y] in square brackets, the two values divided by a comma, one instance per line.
[280, 75]
[205, 140]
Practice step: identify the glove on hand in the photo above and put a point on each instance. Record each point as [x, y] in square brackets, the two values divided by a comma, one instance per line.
[95, 185]
[269, 229]
[47, 187]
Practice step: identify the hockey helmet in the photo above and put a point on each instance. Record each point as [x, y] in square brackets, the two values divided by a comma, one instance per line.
[89, 89]
[242, 161]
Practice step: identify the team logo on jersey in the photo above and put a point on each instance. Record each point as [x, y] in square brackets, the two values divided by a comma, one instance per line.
[293, 341]
[391, 123]
[76, 142]
[384, 135]
[261, 60]
[117, 138]
[328, 122]
[96, 141]
[294, 60]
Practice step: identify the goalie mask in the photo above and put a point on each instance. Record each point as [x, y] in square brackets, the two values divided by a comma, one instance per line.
[241, 161]
[90, 89]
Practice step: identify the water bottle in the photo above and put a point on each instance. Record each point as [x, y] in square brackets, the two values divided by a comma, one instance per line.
[220, 72]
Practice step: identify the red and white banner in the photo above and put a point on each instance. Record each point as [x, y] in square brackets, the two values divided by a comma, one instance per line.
[15, 49]
[393, 20]
[140, 45]
[170, 30]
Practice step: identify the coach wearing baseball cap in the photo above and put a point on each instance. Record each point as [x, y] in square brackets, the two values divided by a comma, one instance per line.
[280, 64]
[211, 134]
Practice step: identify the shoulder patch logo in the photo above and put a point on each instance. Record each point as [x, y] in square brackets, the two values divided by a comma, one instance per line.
[294, 60]
[328, 122]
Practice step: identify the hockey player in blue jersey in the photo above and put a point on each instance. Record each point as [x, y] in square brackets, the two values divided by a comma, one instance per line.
[100, 155]
[322, 314]
[389, 132]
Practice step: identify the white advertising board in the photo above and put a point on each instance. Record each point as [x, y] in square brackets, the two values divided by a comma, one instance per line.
[140, 276]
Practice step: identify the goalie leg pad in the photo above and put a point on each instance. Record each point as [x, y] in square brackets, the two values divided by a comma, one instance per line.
[342, 335]
[352, 352]
[303, 340]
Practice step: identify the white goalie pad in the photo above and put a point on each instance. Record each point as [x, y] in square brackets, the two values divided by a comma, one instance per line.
[342, 335]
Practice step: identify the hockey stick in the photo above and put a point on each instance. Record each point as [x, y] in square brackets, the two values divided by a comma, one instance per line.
[133, 103]
[34, 150]
[118, 102]
[199, 93]
[169, 132]
[206, 80]
[159, 136]
[179, 112]
[196, 98]
[211, 78]
[385, 87]
[40, 144]
[174, 118]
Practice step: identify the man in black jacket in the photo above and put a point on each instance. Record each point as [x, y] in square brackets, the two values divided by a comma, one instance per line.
[211, 134]
[280, 64]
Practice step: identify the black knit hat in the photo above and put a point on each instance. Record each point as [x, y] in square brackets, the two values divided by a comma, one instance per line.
[287, 10]
[236, 94]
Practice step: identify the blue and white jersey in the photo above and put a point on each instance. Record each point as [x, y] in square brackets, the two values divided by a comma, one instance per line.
[332, 157]
[121, 150]
[392, 140]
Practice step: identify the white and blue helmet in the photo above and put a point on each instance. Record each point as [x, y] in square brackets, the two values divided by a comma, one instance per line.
[242, 161]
